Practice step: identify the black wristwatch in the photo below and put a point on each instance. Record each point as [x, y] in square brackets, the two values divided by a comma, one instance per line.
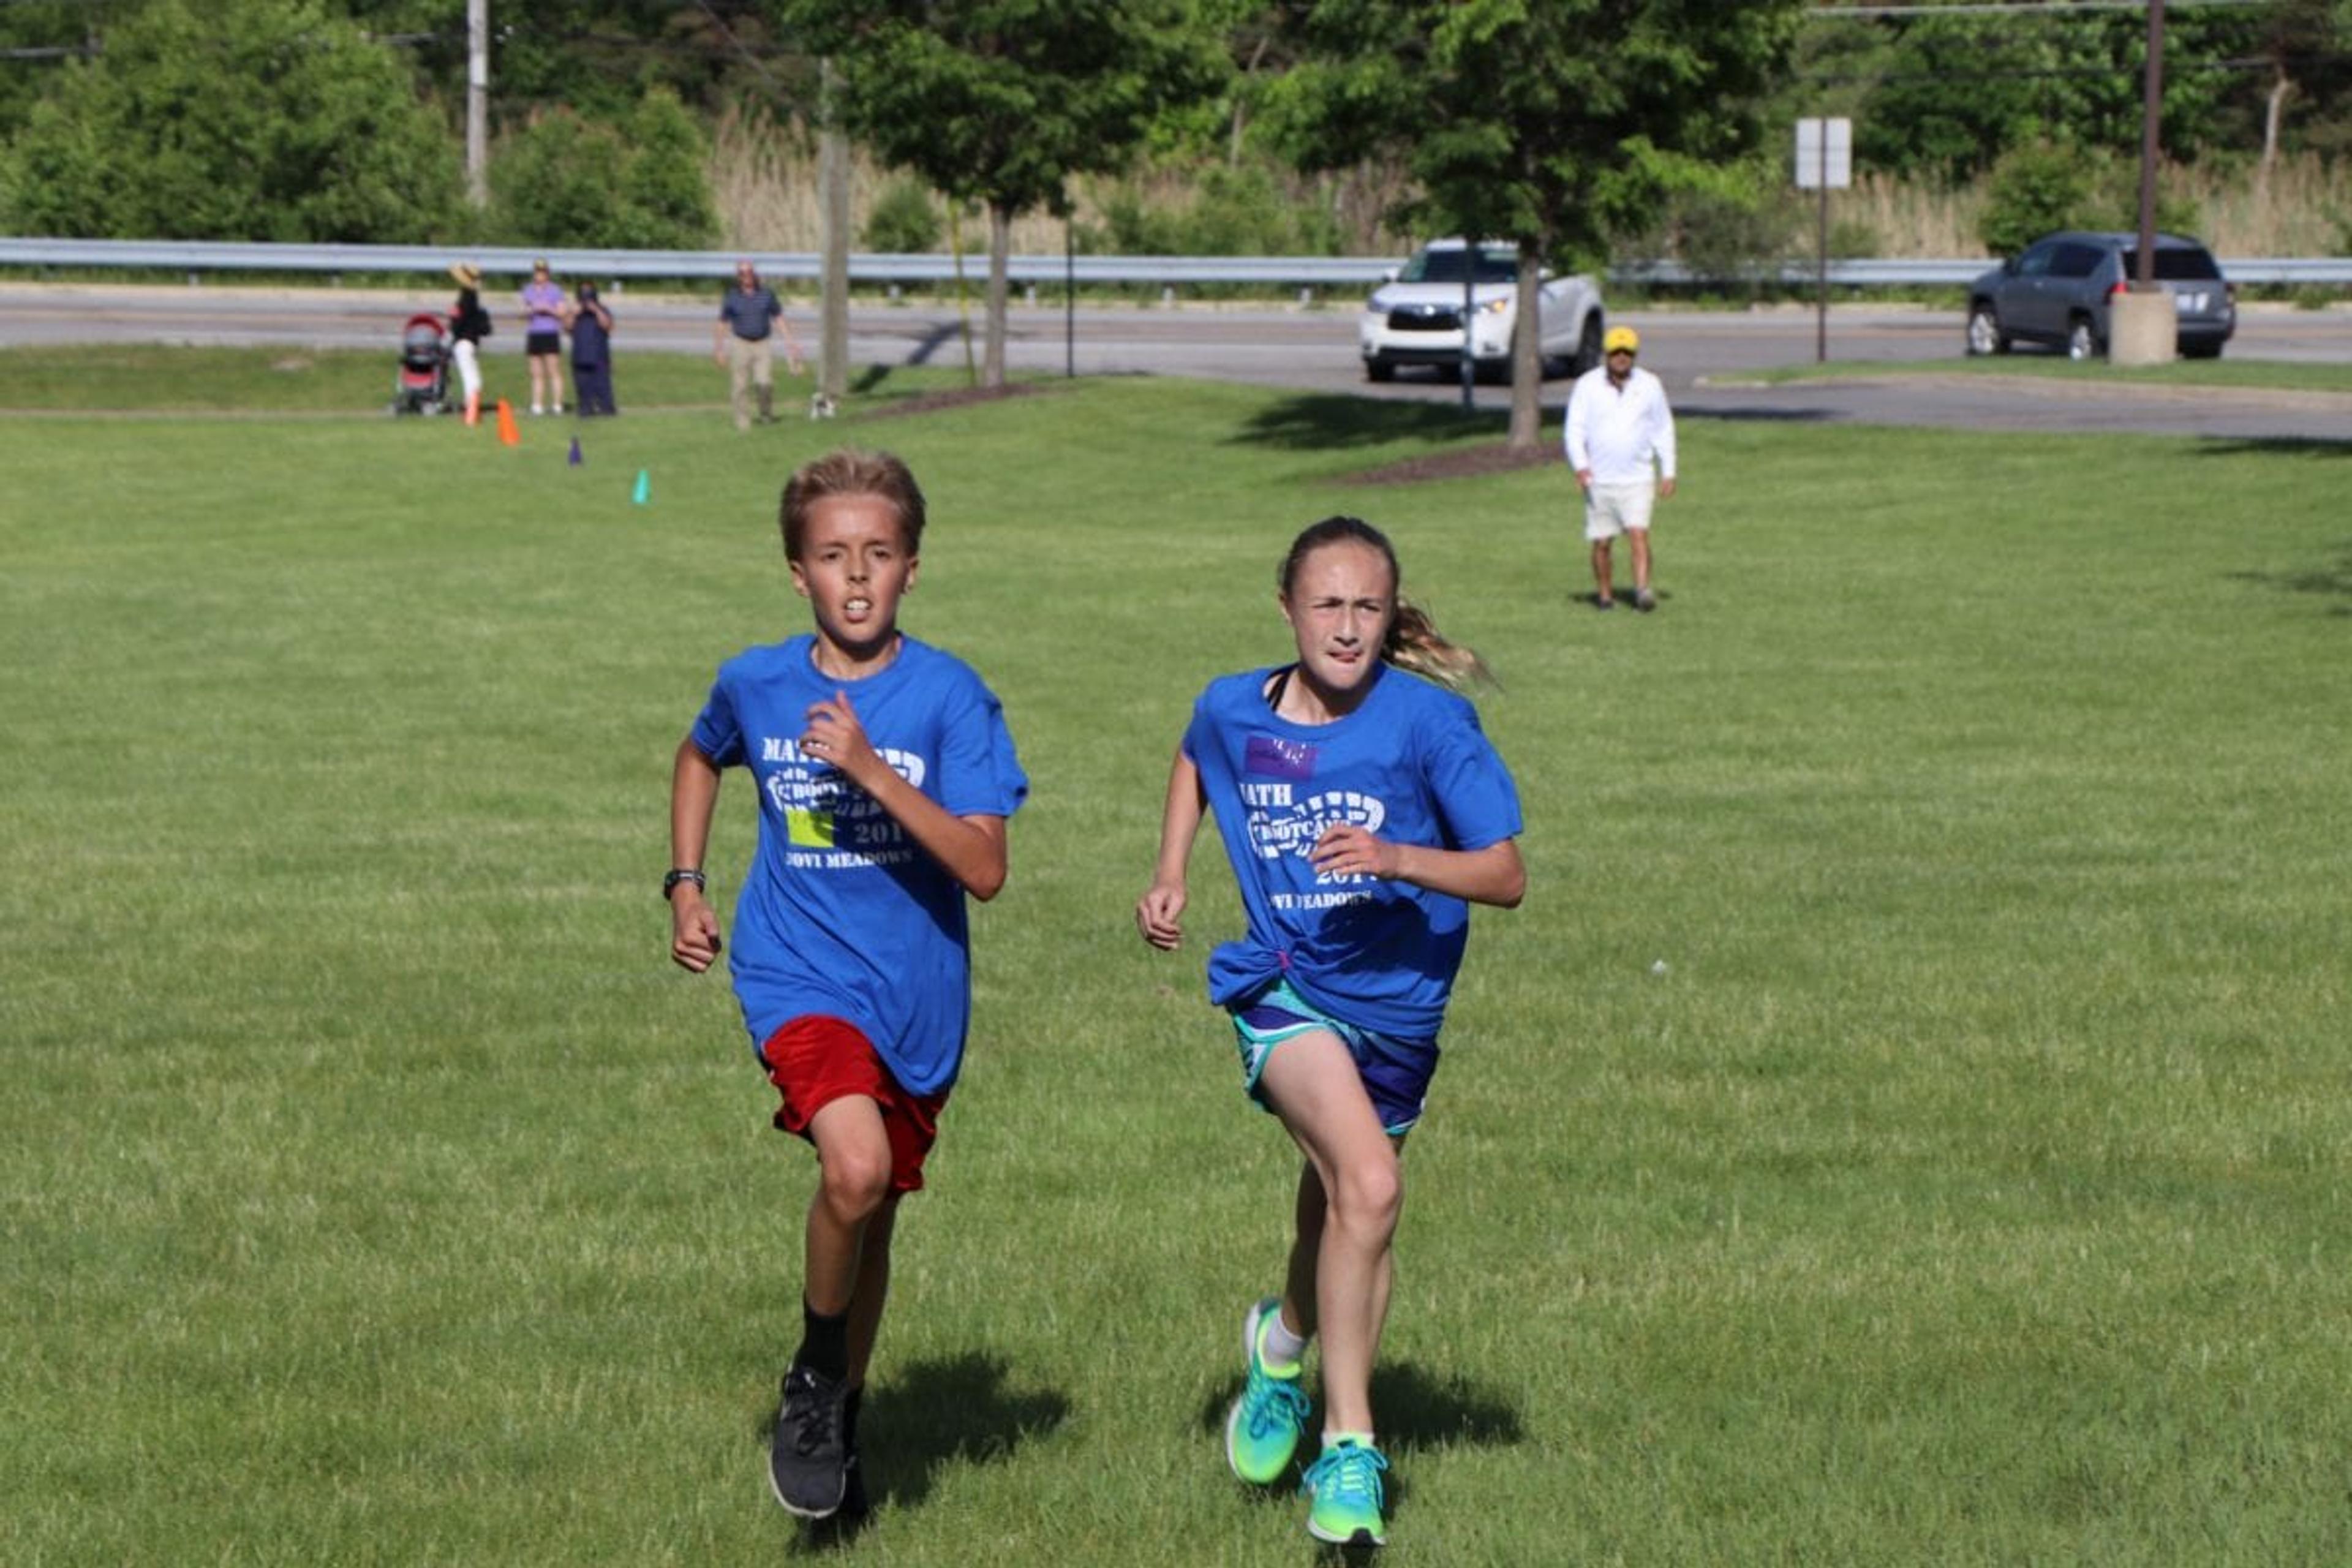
[682, 874]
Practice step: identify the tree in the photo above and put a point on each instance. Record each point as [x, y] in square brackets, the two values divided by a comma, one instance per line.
[598, 58]
[256, 120]
[1552, 123]
[1952, 94]
[2306, 48]
[567, 180]
[1001, 101]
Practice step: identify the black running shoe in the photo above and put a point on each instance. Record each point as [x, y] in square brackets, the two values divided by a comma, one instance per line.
[854, 1503]
[808, 1461]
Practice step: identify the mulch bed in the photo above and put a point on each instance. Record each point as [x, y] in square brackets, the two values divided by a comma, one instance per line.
[1459, 463]
[961, 397]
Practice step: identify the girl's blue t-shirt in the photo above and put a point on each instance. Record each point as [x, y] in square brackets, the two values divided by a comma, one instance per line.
[1410, 765]
[842, 913]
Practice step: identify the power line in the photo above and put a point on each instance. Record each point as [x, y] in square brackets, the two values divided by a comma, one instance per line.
[2002, 8]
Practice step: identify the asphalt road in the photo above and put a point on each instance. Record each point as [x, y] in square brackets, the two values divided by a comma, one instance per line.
[1705, 357]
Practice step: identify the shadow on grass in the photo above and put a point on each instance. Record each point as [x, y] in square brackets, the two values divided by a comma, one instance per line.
[2273, 447]
[2332, 581]
[871, 379]
[932, 1414]
[1416, 1409]
[1755, 414]
[1322, 421]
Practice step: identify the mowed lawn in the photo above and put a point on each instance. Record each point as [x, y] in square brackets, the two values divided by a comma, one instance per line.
[1906, 1122]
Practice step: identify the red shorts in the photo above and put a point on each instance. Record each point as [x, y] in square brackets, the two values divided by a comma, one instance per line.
[815, 1060]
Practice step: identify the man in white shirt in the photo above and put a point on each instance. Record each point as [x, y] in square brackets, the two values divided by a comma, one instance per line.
[1618, 426]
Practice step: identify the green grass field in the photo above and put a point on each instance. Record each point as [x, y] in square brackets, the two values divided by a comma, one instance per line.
[2222, 374]
[1969, 1189]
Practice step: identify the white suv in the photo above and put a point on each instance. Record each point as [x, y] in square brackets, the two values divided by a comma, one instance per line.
[1415, 318]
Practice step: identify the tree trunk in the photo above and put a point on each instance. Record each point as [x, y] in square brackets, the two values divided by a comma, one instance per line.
[2273, 112]
[1526, 352]
[1240, 122]
[999, 255]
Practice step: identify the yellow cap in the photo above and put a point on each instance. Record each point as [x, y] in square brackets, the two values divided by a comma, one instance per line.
[1624, 338]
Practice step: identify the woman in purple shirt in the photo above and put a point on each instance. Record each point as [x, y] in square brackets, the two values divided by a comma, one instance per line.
[543, 302]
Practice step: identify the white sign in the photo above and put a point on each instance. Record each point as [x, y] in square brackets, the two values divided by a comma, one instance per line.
[1824, 155]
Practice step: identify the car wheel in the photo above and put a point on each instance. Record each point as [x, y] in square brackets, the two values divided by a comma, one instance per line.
[1379, 370]
[1985, 336]
[2082, 344]
[1588, 346]
[2200, 351]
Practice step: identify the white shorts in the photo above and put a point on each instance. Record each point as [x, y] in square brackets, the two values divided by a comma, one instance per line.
[1612, 509]
[469, 369]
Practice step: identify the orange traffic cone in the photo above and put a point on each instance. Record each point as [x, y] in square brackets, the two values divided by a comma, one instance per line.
[508, 434]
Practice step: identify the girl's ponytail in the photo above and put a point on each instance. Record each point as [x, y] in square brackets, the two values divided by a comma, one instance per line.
[1415, 644]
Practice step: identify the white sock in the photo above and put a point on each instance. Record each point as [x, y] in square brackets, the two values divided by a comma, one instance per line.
[1276, 1345]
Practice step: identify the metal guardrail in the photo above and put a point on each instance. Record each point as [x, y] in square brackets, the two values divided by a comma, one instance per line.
[197, 258]
[1868, 274]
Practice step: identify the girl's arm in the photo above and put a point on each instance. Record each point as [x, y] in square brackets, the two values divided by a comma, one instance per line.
[972, 849]
[1490, 876]
[693, 793]
[1159, 914]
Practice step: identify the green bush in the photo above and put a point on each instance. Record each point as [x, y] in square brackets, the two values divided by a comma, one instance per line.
[1730, 224]
[665, 200]
[565, 180]
[1133, 227]
[1244, 209]
[246, 119]
[2035, 189]
[904, 221]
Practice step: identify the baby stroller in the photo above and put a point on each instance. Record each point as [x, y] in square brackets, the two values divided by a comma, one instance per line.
[422, 383]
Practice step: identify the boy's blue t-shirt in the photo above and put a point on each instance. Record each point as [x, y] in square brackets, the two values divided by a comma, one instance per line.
[1410, 765]
[842, 913]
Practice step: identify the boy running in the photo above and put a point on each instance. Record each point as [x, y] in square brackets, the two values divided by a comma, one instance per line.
[884, 775]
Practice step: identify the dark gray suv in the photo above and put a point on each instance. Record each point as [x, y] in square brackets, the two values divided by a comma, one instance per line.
[2056, 291]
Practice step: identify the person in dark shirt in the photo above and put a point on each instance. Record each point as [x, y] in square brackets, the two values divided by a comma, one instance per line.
[468, 325]
[744, 340]
[592, 352]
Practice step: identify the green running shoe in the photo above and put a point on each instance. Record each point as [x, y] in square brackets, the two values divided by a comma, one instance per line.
[1262, 1431]
[1348, 1495]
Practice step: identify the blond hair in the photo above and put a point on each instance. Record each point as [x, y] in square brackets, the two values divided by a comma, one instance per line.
[850, 472]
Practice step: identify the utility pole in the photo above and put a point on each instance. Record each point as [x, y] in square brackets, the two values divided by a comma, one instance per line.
[2143, 327]
[2150, 116]
[478, 102]
[832, 174]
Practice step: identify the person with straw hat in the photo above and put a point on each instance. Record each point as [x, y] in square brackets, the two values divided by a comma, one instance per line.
[468, 325]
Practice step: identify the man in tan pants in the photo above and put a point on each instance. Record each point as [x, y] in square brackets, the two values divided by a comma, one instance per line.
[744, 340]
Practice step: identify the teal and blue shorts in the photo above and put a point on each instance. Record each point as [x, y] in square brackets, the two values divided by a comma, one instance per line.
[1395, 1071]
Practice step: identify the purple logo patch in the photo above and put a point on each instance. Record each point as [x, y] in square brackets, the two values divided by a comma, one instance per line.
[1271, 757]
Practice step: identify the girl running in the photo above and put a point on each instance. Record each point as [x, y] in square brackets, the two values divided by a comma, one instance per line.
[1363, 811]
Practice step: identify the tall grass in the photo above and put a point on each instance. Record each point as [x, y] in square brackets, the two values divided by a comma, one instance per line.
[764, 174]
[1966, 1188]
[2301, 207]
